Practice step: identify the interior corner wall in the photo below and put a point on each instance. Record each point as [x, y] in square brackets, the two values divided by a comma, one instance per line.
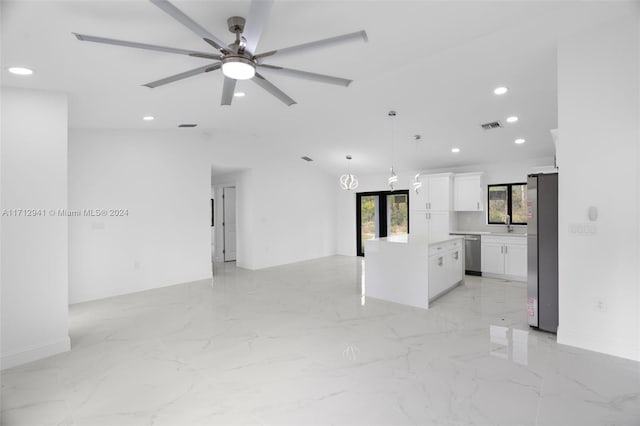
[34, 258]
[285, 215]
[598, 117]
[155, 187]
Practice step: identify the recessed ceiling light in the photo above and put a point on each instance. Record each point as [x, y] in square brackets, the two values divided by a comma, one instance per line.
[519, 141]
[512, 119]
[455, 150]
[500, 90]
[148, 118]
[239, 94]
[20, 71]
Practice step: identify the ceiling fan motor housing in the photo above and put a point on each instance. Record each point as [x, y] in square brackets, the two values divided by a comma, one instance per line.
[236, 24]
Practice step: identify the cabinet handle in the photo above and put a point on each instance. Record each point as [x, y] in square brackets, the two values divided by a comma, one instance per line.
[506, 249]
[478, 205]
[455, 255]
[501, 249]
[440, 261]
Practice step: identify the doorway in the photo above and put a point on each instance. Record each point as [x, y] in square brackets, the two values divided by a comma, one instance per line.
[381, 214]
[229, 223]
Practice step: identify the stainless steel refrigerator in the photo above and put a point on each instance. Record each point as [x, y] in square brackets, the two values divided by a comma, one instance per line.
[542, 251]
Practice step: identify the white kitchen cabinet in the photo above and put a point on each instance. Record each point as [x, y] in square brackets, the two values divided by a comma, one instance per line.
[492, 257]
[468, 192]
[437, 275]
[438, 193]
[515, 260]
[504, 257]
[430, 209]
[446, 266]
[431, 225]
[455, 265]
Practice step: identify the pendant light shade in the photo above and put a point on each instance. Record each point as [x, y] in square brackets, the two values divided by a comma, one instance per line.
[417, 183]
[348, 181]
[393, 178]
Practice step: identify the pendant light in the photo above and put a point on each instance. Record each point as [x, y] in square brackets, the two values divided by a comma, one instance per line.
[417, 183]
[393, 177]
[348, 181]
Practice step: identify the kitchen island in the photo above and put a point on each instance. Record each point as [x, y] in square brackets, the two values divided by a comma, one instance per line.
[412, 271]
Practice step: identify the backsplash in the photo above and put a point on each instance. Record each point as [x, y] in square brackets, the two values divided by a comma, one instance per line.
[477, 221]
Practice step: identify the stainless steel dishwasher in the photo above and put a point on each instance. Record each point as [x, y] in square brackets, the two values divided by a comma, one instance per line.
[472, 253]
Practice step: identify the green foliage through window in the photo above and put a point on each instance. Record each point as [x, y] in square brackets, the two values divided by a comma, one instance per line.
[508, 199]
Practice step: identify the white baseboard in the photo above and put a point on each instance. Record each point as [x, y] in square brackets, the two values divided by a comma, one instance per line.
[35, 353]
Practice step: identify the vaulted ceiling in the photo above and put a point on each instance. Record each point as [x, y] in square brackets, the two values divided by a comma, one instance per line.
[435, 63]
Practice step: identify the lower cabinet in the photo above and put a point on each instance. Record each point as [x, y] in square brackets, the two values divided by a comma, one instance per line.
[446, 266]
[505, 256]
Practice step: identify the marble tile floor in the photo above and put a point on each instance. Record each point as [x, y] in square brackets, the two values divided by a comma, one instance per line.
[298, 345]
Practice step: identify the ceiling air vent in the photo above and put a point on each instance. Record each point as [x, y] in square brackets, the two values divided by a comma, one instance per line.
[187, 125]
[492, 125]
[305, 158]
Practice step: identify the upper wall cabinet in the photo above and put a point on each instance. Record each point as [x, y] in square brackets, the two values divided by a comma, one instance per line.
[439, 188]
[435, 193]
[468, 193]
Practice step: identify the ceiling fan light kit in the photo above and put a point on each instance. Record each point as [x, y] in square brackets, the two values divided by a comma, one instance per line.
[238, 68]
[237, 60]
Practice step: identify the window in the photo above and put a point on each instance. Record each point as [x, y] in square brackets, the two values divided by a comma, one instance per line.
[508, 199]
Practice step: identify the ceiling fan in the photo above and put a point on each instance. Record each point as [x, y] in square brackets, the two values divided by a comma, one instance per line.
[237, 60]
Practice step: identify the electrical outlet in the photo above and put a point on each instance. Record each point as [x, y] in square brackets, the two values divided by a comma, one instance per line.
[136, 265]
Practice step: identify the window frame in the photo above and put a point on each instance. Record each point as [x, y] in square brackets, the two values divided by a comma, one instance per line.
[382, 211]
[509, 202]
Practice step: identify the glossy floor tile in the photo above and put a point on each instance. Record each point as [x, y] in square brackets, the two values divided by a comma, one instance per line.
[298, 345]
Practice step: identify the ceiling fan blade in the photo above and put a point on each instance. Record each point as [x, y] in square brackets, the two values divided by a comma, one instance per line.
[269, 87]
[179, 16]
[322, 78]
[227, 91]
[256, 21]
[84, 37]
[206, 56]
[327, 42]
[182, 75]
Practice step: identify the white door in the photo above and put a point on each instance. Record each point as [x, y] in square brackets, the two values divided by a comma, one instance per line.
[229, 223]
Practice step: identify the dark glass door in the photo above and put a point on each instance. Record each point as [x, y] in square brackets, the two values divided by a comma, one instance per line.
[380, 214]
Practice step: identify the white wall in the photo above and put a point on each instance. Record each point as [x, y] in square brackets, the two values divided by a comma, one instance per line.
[598, 89]
[163, 180]
[285, 213]
[34, 271]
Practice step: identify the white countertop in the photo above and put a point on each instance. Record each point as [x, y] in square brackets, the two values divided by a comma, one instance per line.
[497, 234]
[411, 240]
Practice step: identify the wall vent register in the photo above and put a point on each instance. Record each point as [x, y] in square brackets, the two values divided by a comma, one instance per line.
[492, 125]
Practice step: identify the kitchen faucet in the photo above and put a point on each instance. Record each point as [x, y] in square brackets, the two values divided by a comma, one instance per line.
[508, 221]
